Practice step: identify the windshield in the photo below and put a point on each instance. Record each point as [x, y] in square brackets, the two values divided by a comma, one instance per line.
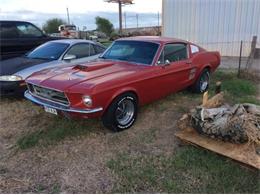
[48, 51]
[132, 51]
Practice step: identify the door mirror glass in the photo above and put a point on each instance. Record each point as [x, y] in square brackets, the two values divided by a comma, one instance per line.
[27, 53]
[69, 57]
[167, 62]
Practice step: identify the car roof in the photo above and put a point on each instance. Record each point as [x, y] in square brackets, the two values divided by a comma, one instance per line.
[73, 41]
[14, 21]
[156, 39]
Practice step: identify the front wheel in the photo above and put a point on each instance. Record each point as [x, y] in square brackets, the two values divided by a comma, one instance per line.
[202, 83]
[122, 113]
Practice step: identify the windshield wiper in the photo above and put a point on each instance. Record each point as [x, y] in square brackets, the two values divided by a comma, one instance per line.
[38, 58]
[123, 58]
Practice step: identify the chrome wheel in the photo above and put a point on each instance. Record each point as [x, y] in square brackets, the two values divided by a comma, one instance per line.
[125, 111]
[204, 82]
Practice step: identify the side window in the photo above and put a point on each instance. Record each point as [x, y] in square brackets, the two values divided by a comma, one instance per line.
[28, 30]
[91, 50]
[8, 31]
[99, 49]
[173, 52]
[81, 50]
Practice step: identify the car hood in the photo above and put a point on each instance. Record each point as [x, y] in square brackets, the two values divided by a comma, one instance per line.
[90, 74]
[14, 65]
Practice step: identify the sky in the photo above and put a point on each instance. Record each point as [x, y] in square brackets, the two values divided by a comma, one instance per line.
[82, 12]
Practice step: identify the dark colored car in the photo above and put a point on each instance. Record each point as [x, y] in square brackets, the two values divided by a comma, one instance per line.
[18, 37]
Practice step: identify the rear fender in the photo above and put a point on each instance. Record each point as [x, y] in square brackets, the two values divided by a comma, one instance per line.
[207, 59]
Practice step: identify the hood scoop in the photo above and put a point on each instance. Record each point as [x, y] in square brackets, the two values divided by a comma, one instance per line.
[92, 66]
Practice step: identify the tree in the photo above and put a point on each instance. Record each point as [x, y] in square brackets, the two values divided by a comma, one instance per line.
[52, 25]
[104, 25]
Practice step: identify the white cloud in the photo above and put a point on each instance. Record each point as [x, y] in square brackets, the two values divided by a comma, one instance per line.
[77, 6]
[82, 12]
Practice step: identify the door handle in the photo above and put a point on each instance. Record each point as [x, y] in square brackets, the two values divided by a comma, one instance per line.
[189, 62]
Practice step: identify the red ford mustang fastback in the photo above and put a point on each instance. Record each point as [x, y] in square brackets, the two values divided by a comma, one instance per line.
[131, 72]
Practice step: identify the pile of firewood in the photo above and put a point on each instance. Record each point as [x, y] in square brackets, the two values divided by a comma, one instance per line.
[238, 124]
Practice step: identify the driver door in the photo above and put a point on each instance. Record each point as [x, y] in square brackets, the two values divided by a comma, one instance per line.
[175, 67]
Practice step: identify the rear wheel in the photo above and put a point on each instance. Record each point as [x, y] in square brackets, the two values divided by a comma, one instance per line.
[202, 83]
[122, 113]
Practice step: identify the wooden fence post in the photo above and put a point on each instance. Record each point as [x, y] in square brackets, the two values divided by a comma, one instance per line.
[252, 53]
[240, 56]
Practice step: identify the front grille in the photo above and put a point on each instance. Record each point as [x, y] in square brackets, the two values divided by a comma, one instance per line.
[49, 94]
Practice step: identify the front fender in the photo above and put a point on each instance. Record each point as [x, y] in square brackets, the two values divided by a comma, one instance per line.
[119, 92]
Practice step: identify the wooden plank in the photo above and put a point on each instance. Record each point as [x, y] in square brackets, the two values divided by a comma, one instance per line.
[244, 153]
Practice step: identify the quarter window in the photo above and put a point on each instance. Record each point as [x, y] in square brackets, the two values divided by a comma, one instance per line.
[194, 49]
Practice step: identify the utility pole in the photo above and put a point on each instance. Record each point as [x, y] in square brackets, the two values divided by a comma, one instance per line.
[120, 4]
[120, 16]
[68, 15]
[158, 16]
[137, 23]
[125, 19]
[159, 30]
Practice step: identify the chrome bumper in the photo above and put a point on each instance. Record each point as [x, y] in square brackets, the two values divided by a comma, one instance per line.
[41, 102]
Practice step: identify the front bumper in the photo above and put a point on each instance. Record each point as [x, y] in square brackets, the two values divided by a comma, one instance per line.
[12, 88]
[58, 107]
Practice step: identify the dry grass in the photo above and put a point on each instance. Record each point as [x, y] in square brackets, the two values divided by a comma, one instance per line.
[43, 153]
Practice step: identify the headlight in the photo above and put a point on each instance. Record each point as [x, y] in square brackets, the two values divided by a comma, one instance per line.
[10, 78]
[87, 100]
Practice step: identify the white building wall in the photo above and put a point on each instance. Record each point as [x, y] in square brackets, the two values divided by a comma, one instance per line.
[213, 24]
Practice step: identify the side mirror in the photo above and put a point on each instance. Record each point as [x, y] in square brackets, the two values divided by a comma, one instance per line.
[167, 62]
[27, 53]
[69, 57]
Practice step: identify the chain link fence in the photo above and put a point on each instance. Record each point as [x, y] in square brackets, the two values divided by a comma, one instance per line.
[240, 55]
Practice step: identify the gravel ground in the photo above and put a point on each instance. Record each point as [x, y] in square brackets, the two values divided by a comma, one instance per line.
[233, 63]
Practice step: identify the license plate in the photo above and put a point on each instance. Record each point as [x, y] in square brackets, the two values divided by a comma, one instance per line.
[50, 110]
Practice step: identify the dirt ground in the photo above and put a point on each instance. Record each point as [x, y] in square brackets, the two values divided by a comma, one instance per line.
[233, 63]
[77, 164]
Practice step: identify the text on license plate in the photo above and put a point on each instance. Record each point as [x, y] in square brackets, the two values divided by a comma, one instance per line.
[50, 110]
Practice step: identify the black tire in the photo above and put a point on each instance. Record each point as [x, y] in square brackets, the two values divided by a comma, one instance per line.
[111, 119]
[199, 85]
